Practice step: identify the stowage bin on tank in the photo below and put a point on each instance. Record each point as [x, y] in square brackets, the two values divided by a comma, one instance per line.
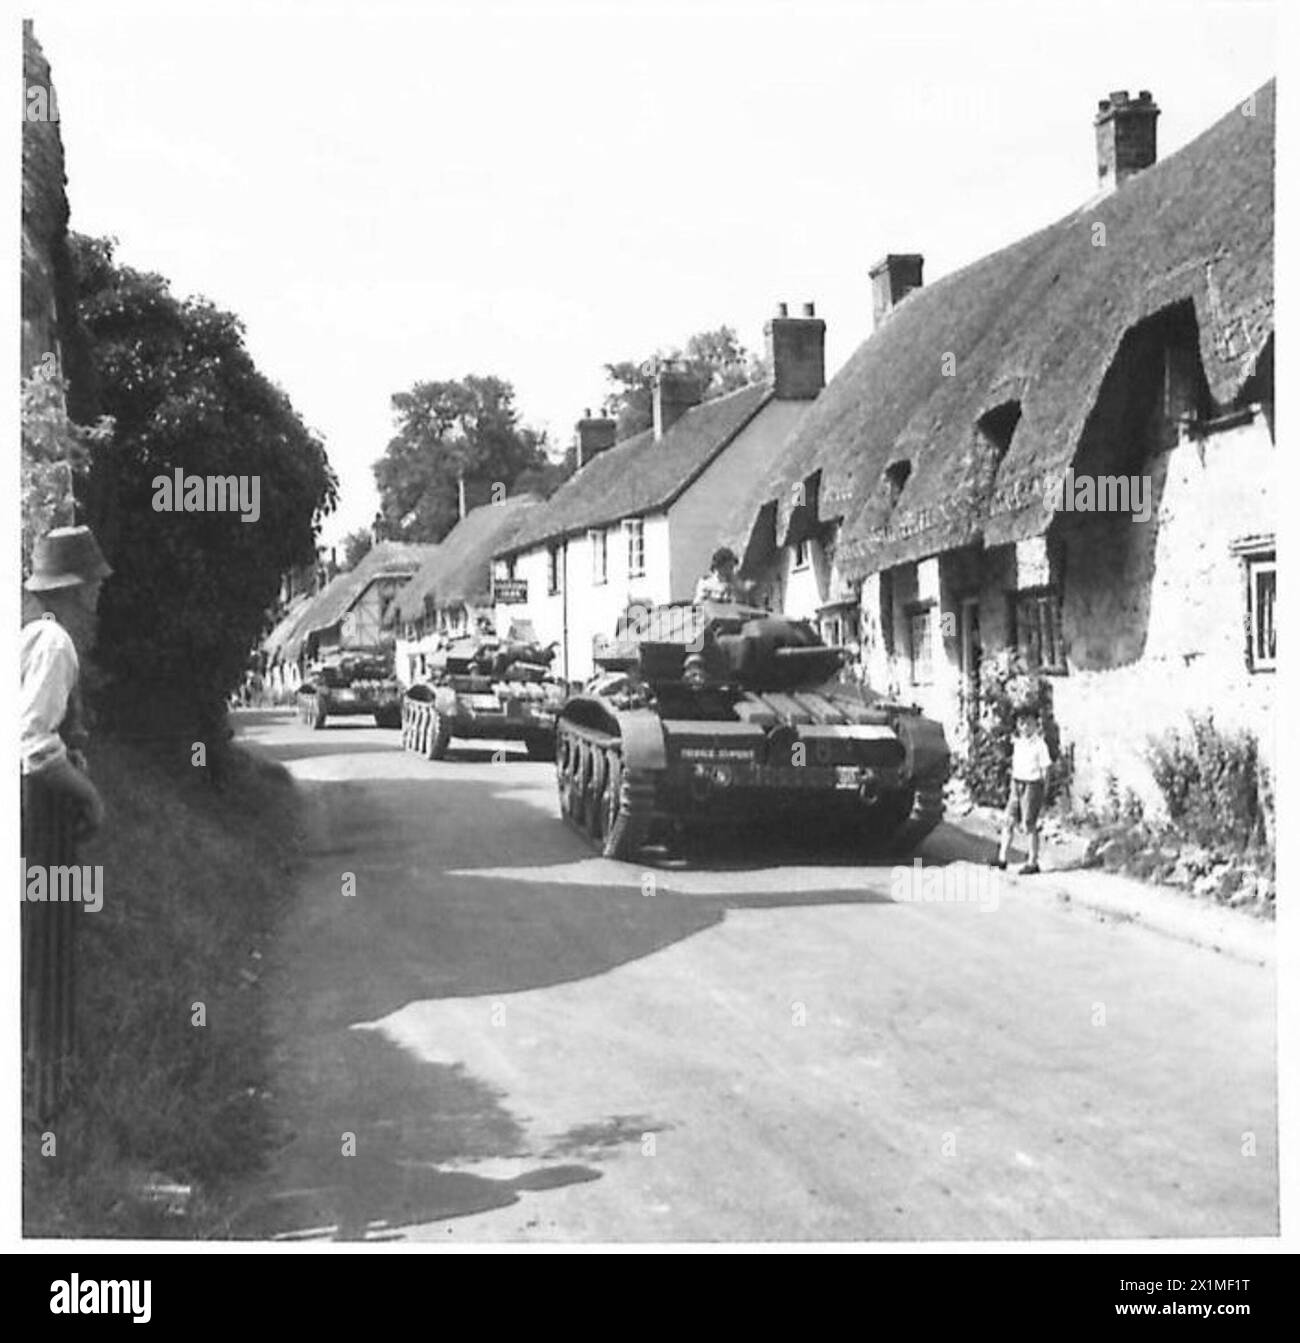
[712, 711]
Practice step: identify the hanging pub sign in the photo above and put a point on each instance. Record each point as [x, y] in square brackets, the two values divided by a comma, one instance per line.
[510, 591]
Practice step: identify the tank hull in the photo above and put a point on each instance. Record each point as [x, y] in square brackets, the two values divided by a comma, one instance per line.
[830, 765]
[352, 684]
[432, 716]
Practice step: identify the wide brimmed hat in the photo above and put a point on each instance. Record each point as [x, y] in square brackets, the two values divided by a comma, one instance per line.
[65, 557]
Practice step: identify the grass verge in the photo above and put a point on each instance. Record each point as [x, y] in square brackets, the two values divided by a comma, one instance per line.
[165, 1113]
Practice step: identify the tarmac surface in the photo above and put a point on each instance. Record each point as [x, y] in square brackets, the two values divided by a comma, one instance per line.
[487, 1033]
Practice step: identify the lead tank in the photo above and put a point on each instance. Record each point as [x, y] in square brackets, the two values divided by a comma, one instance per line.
[721, 711]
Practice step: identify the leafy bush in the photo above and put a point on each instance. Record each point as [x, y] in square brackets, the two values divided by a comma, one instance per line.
[1006, 687]
[56, 453]
[190, 590]
[1214, 785]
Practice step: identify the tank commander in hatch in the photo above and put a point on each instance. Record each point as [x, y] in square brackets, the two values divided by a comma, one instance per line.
[721, 584]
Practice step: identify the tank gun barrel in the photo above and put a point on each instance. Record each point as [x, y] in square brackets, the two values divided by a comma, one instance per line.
[813, 651]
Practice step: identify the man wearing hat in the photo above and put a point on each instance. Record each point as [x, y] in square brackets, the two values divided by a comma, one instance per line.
[67, 571]
[60, 804]
[720, 584]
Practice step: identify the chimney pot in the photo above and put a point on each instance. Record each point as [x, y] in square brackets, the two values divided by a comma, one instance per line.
[892, 279]
[810, 310]
[796, 354]
[782, 310]
[1126, 136]
[593, 436]
[675, 391]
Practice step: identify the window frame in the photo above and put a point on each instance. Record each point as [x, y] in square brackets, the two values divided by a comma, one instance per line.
[913, 612]
[599, 540]
[1257, 565]
[552, 569]
[1043, 597]
[634, 529]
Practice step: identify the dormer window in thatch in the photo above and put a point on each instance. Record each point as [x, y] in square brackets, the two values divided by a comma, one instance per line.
[802, 529]
[996, 428]
[1168, 391]
[896, 476]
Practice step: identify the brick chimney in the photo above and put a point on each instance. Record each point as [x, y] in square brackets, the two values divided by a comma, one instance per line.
[675, 392]
[593, 436]
[796, 354]
[1126, 136]
[892, 279]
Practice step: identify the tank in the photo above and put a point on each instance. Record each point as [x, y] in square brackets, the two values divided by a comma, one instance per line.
[719, 711]
[346, 682]
[484, 687]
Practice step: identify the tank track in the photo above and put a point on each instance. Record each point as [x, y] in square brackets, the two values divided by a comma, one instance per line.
[610, 805]
[926, 813]
[424, 731]
[308, 710]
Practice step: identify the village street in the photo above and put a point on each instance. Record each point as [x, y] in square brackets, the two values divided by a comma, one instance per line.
[527, 1042]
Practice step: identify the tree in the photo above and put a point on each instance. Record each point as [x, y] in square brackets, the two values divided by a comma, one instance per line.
[718, 360]
[356, 546]
[451, 435]
[191, 590]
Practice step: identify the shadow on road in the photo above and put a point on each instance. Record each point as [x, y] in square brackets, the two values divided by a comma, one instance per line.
[422, 888]
[365, 1132]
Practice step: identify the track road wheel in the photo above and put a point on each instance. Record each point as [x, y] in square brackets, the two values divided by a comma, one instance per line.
[610, 800]
[629, 809]
[593, 816]
[924, 814]
[568, 776]
[439, 735]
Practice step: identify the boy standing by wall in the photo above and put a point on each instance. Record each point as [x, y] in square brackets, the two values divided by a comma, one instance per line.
[1030, 762]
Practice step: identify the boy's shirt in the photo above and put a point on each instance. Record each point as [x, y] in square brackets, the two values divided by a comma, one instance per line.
[1030, 759]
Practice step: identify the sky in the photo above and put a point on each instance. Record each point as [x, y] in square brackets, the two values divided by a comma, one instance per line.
[386, 194]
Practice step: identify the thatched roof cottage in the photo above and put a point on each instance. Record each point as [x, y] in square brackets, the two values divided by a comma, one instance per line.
[639, 520]
[453, 589]
[956, 488]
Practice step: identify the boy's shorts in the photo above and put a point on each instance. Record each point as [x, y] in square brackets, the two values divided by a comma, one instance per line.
[1025, 802]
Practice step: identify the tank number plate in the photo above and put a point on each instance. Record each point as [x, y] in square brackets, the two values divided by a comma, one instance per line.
[846, 776]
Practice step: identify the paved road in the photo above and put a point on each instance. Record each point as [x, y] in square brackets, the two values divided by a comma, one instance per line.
[527, 1042]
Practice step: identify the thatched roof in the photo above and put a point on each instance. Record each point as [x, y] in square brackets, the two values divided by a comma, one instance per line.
[1038, 323]
[460, 570]
[342, 593]
[642, 474]
[273, 644]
